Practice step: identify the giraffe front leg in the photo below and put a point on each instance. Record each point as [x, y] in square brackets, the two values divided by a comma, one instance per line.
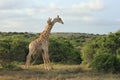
[45, 64]
[48, 60]
[46, 54]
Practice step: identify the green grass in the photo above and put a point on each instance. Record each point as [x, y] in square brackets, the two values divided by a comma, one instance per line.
[60, 72]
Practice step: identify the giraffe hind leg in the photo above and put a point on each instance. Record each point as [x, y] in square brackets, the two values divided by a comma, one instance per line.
[29, 56]
[28, 59]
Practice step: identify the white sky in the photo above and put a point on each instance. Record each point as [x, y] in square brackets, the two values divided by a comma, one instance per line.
[85, 16]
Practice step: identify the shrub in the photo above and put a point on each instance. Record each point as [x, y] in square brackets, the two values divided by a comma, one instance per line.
[106, 63]
[63, 51]
[12, 49]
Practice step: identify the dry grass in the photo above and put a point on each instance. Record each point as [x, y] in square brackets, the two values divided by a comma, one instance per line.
[60, 72]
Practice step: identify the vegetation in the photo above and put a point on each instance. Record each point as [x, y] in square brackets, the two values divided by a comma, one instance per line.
[60, 72]
[103, 52]
[106, 63]
[63, 51]
[14, 48]
[100, 52]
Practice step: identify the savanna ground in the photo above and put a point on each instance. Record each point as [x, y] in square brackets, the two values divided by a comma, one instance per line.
[60, 72]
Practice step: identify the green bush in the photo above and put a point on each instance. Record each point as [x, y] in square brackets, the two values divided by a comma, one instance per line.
[63, 51]
[102, 44]
[60, 51]
[14, 47]
[106, 63]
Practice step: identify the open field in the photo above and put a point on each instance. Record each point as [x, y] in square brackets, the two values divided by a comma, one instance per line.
[60, 72]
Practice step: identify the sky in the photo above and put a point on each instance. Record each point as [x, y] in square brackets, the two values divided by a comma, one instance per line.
[83, 16]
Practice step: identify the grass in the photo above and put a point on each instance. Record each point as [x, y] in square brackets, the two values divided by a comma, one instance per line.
[60, 72]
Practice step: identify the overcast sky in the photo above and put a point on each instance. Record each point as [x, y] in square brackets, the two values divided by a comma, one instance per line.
[84, 16]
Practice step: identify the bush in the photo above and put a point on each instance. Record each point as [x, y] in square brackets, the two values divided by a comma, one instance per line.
[106, 63]
[12, 49]
[102, 44]
[63, 51]
[60, 51]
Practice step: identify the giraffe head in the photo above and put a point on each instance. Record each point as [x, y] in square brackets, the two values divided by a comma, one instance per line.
[58, 19]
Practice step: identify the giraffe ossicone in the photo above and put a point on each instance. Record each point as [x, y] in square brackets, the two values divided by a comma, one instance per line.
[41, 44]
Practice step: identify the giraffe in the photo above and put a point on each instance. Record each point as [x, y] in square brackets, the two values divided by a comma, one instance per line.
[41, 44]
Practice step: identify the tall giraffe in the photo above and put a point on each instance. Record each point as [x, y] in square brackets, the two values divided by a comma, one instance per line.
[41, 43]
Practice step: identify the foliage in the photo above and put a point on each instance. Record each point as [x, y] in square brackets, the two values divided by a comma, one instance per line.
[14, 47]
[60, 72]
[103, 46]
[88, 52]
[106, 63]
[63, 51]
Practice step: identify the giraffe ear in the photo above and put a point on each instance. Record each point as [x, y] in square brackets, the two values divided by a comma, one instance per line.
[57, 16]
[51, 19]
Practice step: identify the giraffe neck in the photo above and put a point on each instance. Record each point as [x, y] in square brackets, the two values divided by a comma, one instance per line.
[47, 30]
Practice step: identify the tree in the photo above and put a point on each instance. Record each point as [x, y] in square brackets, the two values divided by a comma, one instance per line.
[64, 52]
[106, 44]
[12, 48]
[106, 63]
